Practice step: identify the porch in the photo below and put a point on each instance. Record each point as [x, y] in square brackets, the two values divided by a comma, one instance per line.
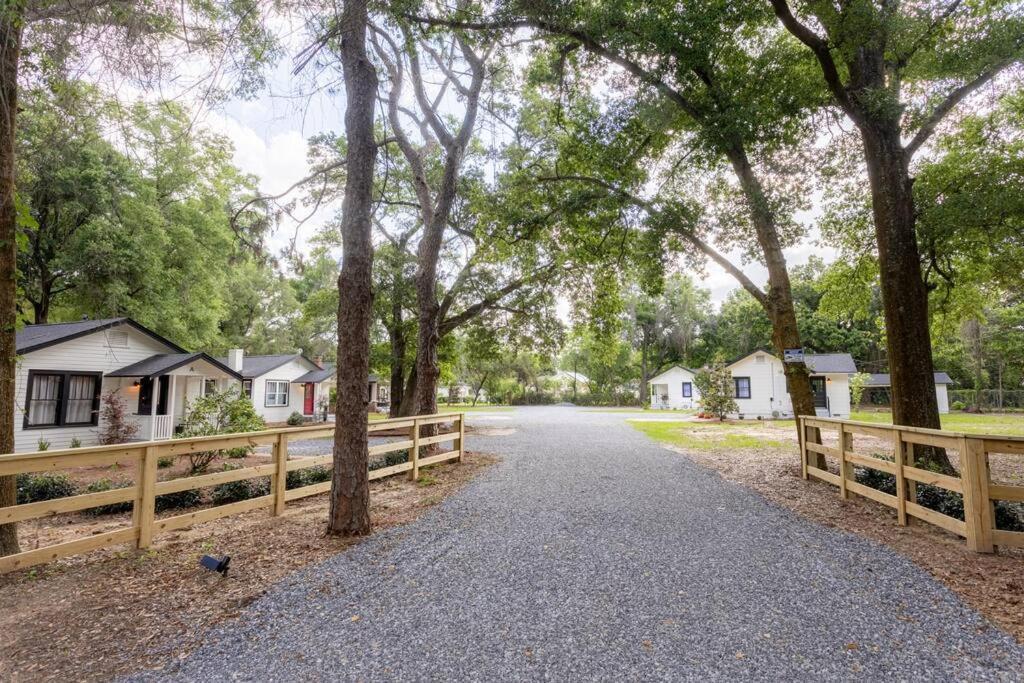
[159, 388]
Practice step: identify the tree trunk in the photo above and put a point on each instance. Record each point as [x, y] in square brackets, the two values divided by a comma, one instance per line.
[408, 406]
[778, 303]
[645, 393]
[428, 335]
[479, 387]
[904, 295]
[350, 489]
[10, 49]
[397, 370]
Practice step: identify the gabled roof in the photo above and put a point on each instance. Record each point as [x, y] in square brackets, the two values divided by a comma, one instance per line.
[670, 369]
[316, 376]
[883, 380]
[254, 366]
[830, 363]
[824, 363]
[34, 337]
[162, 363]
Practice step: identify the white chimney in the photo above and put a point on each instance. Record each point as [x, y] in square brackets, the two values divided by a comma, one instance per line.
[235, 357]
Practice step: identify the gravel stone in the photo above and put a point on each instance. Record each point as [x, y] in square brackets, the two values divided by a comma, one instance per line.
[592, 553]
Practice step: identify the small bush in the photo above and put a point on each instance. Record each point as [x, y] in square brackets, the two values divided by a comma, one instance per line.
[39, 487]
[179, 500]
[958, 405]
[113, 508]
[164, 462]
[234, 491]
[75, 442]
[296, 419]
[42, 444]
[296, 479]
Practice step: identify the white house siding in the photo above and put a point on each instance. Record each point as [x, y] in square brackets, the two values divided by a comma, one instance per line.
[287, 372]
[943, 397]
[88, 354]
[670, 384]
[837, 388]
[767, 386]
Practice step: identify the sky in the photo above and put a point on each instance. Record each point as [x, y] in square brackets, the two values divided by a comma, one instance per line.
[270, 136]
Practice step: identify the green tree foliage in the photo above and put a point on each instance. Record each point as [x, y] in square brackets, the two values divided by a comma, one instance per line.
[715, 385]
[225, 412]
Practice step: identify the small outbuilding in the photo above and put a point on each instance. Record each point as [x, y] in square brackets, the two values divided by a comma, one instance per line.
[878, 390]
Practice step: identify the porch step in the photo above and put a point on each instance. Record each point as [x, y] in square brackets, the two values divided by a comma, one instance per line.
[821, 412]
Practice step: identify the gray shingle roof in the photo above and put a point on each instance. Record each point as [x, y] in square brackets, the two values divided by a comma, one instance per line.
[254, 366]
[163, 363]
[883, 380]
[316, 376]
[830, 362]
[33, 337]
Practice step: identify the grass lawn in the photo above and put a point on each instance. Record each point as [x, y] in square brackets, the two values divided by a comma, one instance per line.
[1009, 424]
[639, 411]
[712, 436]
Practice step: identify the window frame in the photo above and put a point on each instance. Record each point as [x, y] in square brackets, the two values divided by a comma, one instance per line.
[687, 389]
[266, 393]
[61, 410]
[736, 387]
[247, 388]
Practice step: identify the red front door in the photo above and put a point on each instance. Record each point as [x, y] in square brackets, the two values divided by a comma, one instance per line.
[307, 398]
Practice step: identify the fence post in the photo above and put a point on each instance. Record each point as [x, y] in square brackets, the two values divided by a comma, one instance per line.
[462, 436]
[974, 476]
[279, 481]
[414, 450]
[802, 438]
[144, 509]
[845, 469]
[898, 451]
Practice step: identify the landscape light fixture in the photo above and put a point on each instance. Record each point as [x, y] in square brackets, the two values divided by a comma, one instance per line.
[215, 565]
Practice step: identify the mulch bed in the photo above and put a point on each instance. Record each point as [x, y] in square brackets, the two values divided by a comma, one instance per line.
[110, 612]
[991, 584]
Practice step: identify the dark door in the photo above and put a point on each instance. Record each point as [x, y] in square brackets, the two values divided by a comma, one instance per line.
[818, 389]
[163, 383]
[307, 398]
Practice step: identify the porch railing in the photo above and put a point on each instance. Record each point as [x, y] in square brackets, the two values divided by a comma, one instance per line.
[142, 492]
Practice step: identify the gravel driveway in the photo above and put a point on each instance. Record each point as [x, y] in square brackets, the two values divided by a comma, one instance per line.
[589, 553]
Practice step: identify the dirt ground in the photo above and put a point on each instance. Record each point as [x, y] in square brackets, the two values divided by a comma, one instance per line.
[101, 614]
[992, 584]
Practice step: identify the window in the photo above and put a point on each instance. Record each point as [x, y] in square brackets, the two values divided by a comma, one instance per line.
[759, 358]
[247, 388]
[55, 399]
[742, 387]
[277, 393]
[687, 389]
[209, 387]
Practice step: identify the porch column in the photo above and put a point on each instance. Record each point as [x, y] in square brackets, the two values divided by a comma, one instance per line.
[170, 402]
[154, 399]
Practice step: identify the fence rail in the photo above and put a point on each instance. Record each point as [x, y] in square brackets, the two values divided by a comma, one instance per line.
[974, 482]
[145, 488]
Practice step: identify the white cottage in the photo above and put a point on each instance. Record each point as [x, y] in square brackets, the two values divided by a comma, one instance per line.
[674, 389]
[760, 384]
[282, 384]
[63, 369]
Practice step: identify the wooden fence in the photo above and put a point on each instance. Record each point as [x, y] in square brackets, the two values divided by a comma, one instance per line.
[974, 483]
[143, 491]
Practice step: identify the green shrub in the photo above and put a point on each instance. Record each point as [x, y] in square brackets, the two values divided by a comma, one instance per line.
[75, 442]
[108, 485]
[42, 444]
[39, 487]
[958, 405]
[165, 461]
[296, 479]
[179, 500]
[221, 413]
[234, 491]
[296, 419]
